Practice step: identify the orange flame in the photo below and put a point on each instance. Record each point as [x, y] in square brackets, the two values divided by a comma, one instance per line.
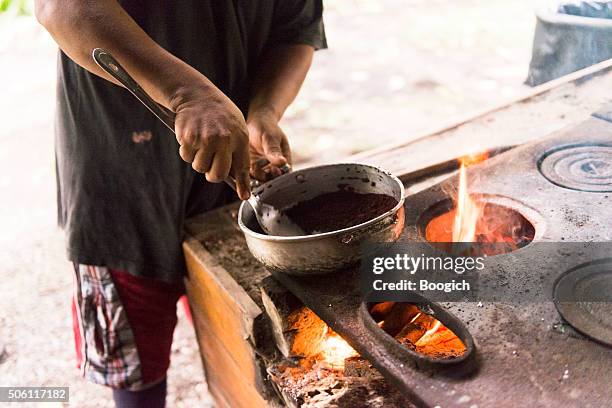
[429, 333]
[468, 211]
[334, 350]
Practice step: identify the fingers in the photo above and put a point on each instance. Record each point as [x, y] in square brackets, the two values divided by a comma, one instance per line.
[189, 141]
[217, 152]
[240, 171]
[203, 160]
[222, 156]
[221, 165]
[262, 170]
[273, 151]
[187, 153]
[274, 171]
[256, 169]
[203, 149]
[286, 149]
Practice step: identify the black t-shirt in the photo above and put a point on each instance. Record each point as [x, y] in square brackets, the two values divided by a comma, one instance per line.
[123, 190]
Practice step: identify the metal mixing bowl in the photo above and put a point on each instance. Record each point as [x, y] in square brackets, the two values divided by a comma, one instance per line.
[330, 251]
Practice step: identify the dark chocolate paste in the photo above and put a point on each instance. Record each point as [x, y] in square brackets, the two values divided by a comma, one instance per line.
[341, 209]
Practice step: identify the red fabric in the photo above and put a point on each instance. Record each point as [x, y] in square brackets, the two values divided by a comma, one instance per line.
[76, 331]
[150, 306]
[185, 301]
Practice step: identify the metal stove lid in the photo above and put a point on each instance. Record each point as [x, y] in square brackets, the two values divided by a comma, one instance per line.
[579, 167]
[583, 297]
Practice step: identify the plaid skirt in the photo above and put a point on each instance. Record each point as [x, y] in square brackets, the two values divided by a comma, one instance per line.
[123, 326]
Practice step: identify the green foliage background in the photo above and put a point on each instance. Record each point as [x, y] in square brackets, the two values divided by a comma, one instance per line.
[22, 6]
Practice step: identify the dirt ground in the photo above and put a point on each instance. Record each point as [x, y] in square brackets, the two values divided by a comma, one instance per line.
[394, 67]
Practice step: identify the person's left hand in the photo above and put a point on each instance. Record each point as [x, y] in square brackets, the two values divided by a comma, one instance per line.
[267, 141]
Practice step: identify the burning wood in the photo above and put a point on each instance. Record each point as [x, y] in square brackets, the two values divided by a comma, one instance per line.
[317, 345]
[316, 386]
[417, 330]
[319, 368]
[440, 342]
[310, 332]
[326, 371]
[398, 316]
[300, 333]
[335, 350]
[315, 342]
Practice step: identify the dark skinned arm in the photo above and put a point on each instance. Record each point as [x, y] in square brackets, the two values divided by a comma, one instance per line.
[210, 129]
[277, 83]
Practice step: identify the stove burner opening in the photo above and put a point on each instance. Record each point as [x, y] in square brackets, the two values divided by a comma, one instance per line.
[417, 330]
[496, 228]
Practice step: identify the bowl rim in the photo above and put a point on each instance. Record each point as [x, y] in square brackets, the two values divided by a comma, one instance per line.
[302, 238]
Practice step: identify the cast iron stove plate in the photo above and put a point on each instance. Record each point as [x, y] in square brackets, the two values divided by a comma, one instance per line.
[580, 167]
[583, 297]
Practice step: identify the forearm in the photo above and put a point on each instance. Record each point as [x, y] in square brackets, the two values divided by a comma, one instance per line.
[79, 26]
[279, 78]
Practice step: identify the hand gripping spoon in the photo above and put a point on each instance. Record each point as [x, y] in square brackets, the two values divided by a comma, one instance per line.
[272, 220]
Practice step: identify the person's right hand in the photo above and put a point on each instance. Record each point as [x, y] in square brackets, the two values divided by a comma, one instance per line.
[213, 135]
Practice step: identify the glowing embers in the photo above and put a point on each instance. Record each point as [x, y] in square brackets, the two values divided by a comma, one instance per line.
[315, 341]
[320, 366]
[417, 330]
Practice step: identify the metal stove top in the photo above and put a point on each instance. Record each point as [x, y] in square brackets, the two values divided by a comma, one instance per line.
[526, 354]
[581, 167]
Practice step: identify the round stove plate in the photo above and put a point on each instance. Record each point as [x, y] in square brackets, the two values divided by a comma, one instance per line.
[579, 167]
[583, 297]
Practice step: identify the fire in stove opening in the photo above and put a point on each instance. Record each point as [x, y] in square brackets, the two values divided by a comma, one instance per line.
[470, 219]
[417, 330]
[314, 342]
